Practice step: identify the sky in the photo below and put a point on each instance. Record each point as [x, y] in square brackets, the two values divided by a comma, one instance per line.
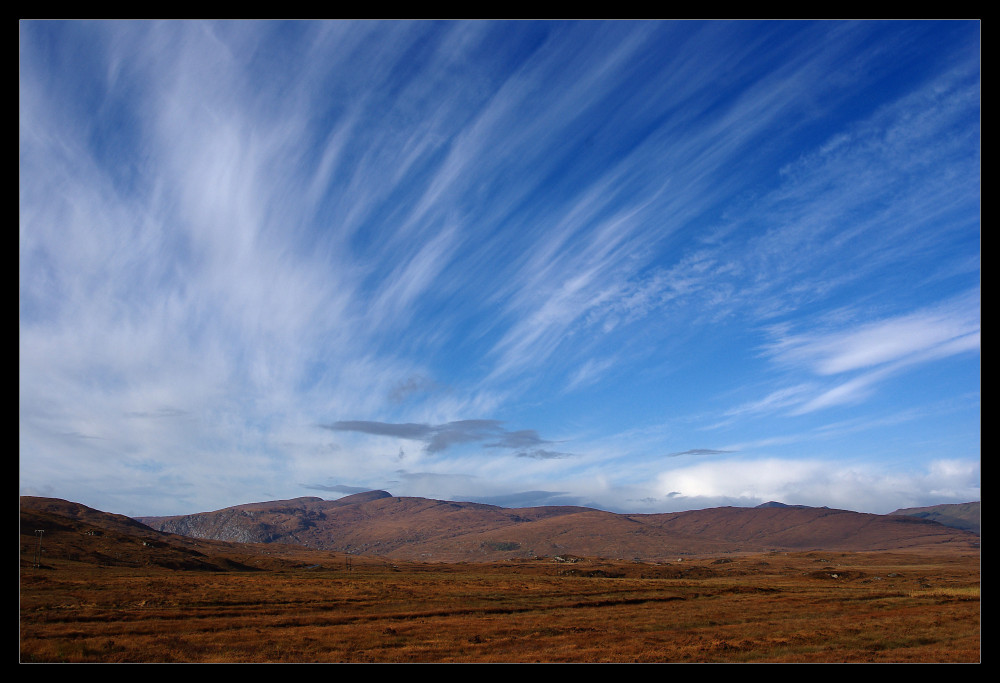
[639, 266]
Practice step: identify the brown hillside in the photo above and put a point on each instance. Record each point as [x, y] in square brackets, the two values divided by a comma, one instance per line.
[76, 535]
[82, 514]
[591, 533]
[803, 528]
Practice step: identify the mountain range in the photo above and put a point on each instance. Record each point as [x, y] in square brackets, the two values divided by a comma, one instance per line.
[422, 529]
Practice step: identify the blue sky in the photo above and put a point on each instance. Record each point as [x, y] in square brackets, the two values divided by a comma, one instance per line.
[641, 266]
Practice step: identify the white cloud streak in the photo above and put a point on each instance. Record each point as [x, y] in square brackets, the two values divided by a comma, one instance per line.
[881, 349]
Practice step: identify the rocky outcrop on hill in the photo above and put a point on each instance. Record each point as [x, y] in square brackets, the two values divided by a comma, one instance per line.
[227, 525]
[274, 521]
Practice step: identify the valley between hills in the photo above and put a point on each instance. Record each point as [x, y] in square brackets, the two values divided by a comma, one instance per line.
[376, 578]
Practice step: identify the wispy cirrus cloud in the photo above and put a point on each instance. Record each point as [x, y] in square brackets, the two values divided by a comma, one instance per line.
[878, 349]
[952, 327]
[776, 400]
[860, 204]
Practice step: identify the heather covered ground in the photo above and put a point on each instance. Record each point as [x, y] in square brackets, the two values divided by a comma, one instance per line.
[776, 607]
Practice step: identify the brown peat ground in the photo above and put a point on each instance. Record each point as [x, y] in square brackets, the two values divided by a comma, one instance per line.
[774, 607]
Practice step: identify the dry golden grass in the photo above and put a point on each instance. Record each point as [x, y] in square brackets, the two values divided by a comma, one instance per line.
[881, 607]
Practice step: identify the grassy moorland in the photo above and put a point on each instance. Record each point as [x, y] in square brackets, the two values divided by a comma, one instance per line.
[777, 607]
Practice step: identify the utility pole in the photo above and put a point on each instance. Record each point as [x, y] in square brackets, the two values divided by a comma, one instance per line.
[38, 550]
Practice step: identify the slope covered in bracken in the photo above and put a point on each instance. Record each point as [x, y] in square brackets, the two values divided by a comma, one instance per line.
[82, 534]
[79, 535]
[805, 528]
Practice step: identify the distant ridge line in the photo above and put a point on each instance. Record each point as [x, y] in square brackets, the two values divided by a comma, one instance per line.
[424, 529]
